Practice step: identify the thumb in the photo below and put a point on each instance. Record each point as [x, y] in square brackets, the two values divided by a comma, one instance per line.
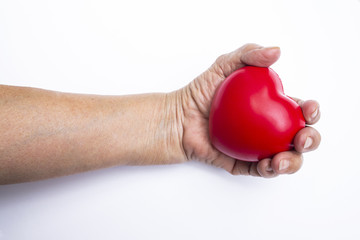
[249, 54]
[263, 57]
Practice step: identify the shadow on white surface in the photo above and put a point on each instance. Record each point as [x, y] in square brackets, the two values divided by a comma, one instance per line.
[9, 194]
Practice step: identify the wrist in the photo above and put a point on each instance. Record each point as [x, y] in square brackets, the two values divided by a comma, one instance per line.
[170, 128]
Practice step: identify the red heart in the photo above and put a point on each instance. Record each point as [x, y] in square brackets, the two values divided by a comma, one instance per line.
[251, 118]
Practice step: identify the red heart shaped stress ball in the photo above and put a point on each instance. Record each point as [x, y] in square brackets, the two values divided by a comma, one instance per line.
[251, 118]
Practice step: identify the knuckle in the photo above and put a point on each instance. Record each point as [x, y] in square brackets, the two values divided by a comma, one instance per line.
[220, 59]
[219, 64]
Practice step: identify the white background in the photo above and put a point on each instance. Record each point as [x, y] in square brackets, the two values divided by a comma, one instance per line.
[124, 47]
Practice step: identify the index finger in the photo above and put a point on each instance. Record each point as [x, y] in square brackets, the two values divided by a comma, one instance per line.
[310, 109]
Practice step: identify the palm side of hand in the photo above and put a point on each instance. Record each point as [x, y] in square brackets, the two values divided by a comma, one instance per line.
[196, 102]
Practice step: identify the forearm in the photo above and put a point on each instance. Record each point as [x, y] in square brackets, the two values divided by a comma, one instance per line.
[47, 134]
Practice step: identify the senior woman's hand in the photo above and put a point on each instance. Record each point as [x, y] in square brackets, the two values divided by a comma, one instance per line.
[194, 109]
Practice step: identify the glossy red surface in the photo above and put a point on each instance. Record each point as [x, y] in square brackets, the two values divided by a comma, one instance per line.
[251, 118]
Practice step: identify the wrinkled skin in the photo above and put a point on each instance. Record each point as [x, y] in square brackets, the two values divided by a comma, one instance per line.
[194, 111]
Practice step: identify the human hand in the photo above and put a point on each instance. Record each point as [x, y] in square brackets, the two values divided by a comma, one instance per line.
[195, 108]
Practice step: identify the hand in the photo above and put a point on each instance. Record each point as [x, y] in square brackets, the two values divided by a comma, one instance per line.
[195, 104]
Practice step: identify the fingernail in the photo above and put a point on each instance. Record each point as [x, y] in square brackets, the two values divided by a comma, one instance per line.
[274, 47]
[272, 50]
[314, 114]
[308, 142]
[284, 164]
